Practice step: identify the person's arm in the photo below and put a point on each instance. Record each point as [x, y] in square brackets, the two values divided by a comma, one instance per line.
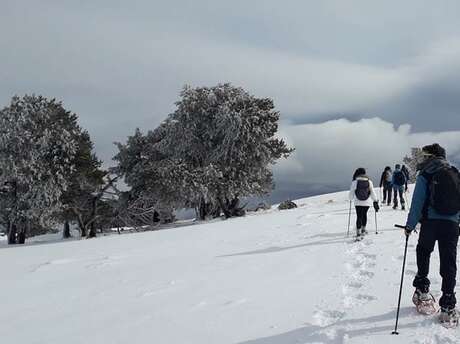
[351, 194]
[418, 202]
[373, 195]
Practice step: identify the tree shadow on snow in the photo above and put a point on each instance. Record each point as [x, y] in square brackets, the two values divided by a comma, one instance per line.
[337, 333]
[274, 249]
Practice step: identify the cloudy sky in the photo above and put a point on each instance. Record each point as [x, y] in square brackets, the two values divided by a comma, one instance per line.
[357, 82]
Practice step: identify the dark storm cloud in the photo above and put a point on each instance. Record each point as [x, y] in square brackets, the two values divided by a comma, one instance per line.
[120, 65]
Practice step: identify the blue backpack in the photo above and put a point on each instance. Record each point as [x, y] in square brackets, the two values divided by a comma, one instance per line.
[399, 179]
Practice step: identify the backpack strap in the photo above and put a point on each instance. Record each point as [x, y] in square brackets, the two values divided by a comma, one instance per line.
[426, 203]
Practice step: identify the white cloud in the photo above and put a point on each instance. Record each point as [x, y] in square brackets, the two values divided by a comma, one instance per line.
[328, 153]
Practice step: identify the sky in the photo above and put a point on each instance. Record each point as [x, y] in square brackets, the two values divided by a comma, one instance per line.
[357, 83]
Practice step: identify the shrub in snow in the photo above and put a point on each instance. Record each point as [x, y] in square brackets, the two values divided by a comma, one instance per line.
[262, 206]
[288, 204]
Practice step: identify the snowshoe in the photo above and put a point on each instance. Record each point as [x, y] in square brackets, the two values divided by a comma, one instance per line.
[449, 318]
[425, 303]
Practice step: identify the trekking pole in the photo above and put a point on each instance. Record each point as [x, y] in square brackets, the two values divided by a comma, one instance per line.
[349, 219]
[402, 279]
[376, 227]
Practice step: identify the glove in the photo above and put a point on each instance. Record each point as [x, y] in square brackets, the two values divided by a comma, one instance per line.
[408, 230]
[376, 206]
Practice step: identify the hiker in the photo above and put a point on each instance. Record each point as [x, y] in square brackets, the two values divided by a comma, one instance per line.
[363, 195]
[398, 181]
[406, 174]
[435, 204]
[385, 182]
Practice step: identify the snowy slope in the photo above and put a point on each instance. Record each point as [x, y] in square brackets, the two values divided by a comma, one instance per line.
[273, 278]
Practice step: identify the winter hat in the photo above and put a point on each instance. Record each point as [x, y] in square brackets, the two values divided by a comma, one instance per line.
[435, 149]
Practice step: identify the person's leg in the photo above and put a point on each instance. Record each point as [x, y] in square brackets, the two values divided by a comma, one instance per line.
[401, 196]
[447, 244]
[364, 214]
[390, 188]
[425, 246]
[395, 197]
[359, 219]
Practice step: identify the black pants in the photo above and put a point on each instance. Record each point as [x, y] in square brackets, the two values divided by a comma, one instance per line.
[387, 192]
[446, 233]
[361, 216]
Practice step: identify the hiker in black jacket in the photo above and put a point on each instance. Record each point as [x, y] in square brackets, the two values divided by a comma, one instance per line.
[398, 181]
[385, 183]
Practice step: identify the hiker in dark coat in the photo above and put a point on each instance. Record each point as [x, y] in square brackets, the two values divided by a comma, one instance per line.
[385, 183]
[398, 181]
[435, 204]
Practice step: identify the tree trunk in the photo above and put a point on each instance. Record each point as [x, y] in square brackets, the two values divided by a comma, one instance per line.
[224, 207]
[22, 237]
[202, 210]
[66, 231]
[12, 234]
[92, 226]
[22, 233]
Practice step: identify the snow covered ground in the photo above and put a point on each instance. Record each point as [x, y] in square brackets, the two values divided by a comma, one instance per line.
[277, 277]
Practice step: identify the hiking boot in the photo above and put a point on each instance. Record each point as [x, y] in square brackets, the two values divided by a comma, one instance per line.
[421, 297]
[449, 317]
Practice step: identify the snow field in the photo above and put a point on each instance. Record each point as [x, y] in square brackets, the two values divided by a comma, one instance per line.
[276, 277]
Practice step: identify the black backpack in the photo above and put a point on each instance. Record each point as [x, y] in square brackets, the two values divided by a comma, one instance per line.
[363, 190]
[444, 191]
[399, 178]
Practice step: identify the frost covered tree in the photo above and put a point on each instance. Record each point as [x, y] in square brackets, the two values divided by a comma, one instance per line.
[226, 139]
[37, 150]
[152, 195]
[216, 147]
[412, 161]
[86, 182]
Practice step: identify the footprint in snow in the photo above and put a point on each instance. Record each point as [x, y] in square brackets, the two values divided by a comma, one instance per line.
[325, 318]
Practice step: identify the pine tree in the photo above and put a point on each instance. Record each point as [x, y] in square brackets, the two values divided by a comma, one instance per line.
[216, 147]
[37, 151]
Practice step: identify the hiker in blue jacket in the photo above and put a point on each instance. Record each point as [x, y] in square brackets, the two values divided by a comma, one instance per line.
[398, 181]
[440, 224]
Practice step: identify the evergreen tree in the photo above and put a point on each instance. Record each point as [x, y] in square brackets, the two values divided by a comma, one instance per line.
[37, 152]
[216, 147]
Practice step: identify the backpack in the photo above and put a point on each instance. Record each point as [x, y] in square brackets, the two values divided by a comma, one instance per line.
[399, 178]
[387, 176]
[363, 190]
[444, 191]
